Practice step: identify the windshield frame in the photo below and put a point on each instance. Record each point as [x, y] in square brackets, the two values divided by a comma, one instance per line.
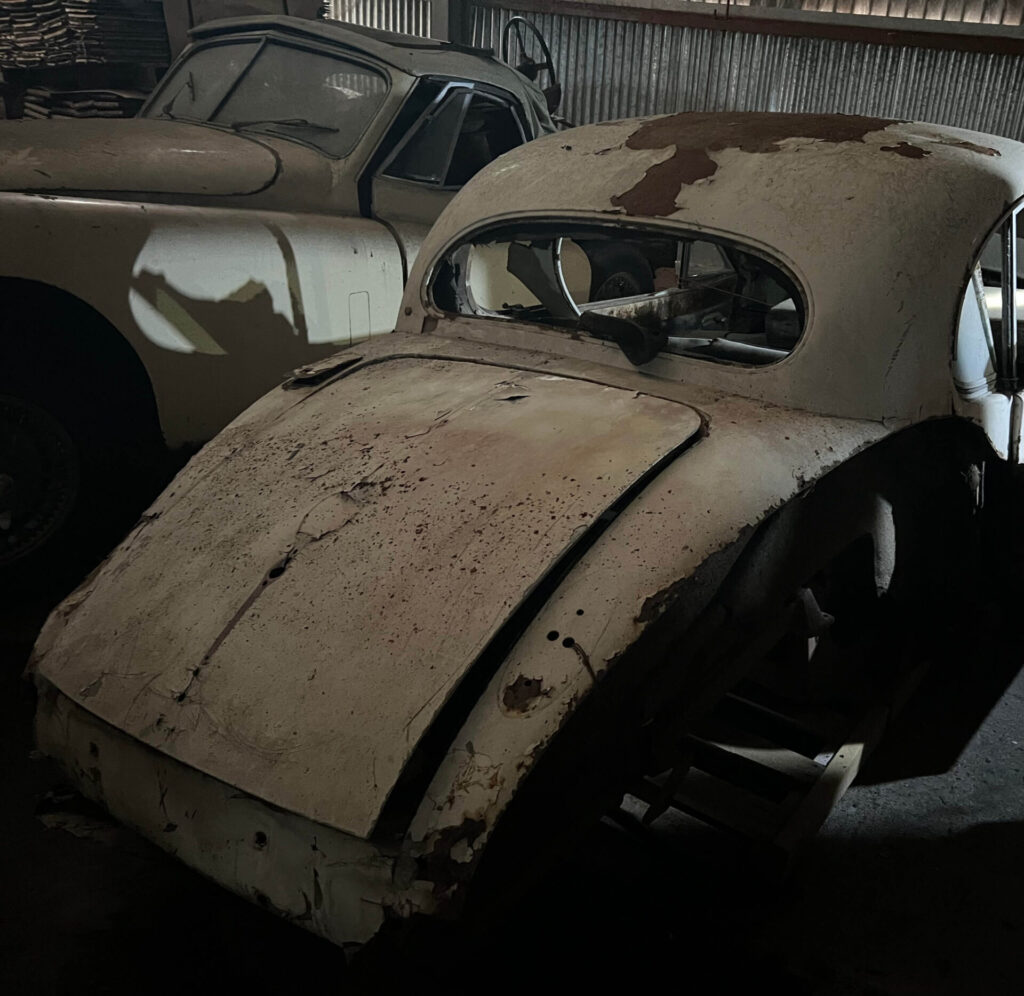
[154, 107]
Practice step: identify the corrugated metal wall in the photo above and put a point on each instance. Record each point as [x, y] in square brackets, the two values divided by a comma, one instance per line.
[618, 69]
[410, 17]
[414, 14]
[966, 11]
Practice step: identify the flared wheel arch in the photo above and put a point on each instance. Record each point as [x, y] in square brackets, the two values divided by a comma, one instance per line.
[886, 501]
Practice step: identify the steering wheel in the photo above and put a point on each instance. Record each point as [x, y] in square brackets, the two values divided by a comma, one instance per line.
[529, 66]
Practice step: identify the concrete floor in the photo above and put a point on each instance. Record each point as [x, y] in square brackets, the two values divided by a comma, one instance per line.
[912, 887]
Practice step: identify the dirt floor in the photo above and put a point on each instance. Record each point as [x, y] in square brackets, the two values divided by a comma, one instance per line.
[912, 887]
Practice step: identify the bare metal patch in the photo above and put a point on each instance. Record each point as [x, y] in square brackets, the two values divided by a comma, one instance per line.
[906, 150]
[696, 135]
[523, 691]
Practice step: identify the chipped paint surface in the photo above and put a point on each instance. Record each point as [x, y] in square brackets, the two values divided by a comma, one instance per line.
[349, 542]
[325, 881]
[696, 136]
[397, 581]
[757, 456]
[856, 225]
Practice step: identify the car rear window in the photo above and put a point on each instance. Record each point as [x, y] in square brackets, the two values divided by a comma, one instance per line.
[675, 293]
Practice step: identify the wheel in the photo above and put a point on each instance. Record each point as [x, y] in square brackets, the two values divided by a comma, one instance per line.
[529, 66]
[80, 447]
[39, 478]
[618, 272]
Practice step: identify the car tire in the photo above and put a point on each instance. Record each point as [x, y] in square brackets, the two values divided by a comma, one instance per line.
[618, 272]
[76, 467]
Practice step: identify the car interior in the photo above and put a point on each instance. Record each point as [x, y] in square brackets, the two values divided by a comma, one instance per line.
[683, 295]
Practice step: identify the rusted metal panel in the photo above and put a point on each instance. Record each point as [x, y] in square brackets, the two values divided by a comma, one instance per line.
[371, 532]
[617, 68]
[757, 455]
[324, 880]
[715, 172]
[329, 603]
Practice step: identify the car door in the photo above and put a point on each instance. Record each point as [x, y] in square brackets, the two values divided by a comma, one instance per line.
[465, 127]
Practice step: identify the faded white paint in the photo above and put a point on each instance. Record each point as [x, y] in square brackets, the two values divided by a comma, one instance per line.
[345, 552]
[225, 258]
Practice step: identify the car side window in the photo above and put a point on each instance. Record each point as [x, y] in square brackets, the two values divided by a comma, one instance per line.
[681, 293]
[705, 259]
[454, 140]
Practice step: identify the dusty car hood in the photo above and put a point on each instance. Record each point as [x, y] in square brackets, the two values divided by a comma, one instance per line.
[135, 155]
[291, 617]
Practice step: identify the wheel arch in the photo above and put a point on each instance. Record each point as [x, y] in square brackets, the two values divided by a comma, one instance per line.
[866, 495]
[34, 320]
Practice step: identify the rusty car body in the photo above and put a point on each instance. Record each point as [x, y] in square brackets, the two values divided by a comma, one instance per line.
[162, 273]
[415, 617]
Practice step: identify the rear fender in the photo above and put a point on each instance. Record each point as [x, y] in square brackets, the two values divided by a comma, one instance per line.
[736, 508]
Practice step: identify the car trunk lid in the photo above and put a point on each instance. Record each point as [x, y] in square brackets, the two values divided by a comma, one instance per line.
[293, 619]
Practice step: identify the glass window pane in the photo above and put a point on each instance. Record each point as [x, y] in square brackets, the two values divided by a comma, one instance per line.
[425, 157]
[199, 84]
[489, 129]
[308, 96]
[705, 260]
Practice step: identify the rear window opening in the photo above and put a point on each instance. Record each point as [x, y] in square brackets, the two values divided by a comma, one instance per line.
[650, 292]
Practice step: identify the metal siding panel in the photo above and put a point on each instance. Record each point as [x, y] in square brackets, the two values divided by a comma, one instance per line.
[618, 68]
[410, 17]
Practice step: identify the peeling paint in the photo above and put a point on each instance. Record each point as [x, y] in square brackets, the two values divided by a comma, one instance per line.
[694, 136]
[906, 150]
[518, 696]
[445, 869]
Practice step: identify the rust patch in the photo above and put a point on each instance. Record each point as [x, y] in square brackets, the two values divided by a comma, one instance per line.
[441, 866]
[696, 135]
[518, 696]
[906, 150]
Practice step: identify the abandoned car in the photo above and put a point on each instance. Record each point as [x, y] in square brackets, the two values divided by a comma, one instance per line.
[422, 613]
[164, 272]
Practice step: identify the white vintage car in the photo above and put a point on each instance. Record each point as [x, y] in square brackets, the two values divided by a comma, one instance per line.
[418, 616]
[158, 275]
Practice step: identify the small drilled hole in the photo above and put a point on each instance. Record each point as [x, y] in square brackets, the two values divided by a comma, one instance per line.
[568, 642]
[579, 612]
[259, 839]
[553, 635]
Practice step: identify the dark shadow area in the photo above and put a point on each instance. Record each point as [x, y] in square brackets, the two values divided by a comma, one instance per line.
[970, 670]
[911, 887]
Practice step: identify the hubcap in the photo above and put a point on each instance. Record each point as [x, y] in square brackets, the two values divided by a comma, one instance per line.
[38, 477]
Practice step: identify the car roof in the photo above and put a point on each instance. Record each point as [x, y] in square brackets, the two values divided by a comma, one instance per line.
[772, 177]
[879, 220]
[410, 54]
